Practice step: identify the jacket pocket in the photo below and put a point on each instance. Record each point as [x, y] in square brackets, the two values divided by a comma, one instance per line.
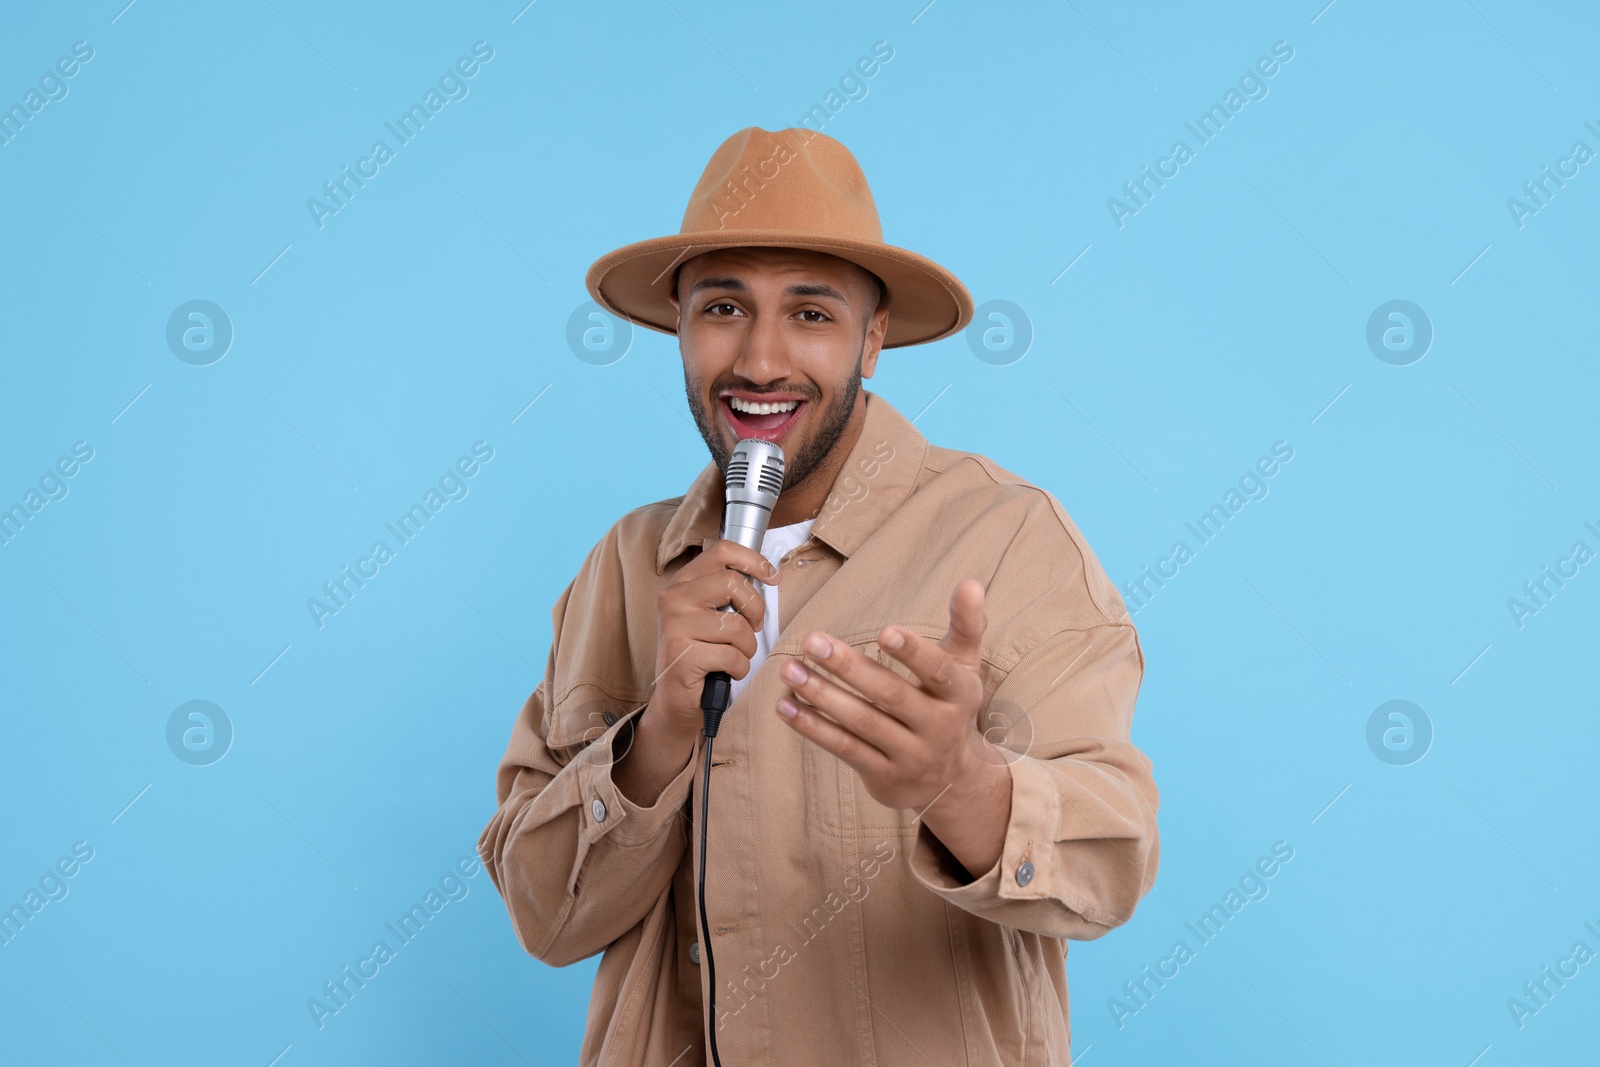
[837, 800]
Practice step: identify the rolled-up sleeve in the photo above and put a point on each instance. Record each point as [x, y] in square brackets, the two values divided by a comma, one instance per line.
[578, 863]
[1081, 845]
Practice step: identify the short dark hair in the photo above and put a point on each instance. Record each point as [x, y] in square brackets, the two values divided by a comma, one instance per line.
[883, 293]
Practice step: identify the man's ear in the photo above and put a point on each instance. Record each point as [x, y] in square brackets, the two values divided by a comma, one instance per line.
[877, 329]
[672, 294]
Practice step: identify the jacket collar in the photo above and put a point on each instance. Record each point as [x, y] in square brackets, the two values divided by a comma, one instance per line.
[877, 477]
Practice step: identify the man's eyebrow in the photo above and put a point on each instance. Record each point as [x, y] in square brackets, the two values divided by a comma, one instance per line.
[816, 289]
[799, 289]
[718, 283]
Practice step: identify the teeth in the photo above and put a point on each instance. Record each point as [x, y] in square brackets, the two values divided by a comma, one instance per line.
[752, 408]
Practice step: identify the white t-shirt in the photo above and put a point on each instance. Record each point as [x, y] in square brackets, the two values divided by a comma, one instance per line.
[773, 546]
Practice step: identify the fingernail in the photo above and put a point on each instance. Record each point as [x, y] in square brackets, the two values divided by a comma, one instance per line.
[786, 709]
[818, 646]
[893, 640]
[794, 673]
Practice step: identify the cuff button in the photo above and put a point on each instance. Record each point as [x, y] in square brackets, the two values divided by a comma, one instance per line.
[1024, 873]
[598, 810]
[694, 953]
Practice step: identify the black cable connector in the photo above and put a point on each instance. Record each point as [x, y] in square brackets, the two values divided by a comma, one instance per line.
[714, 700]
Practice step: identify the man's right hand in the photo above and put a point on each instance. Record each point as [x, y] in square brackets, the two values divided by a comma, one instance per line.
[694, 639]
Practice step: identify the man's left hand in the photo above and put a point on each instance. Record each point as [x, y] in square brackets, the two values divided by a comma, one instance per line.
[911, 744]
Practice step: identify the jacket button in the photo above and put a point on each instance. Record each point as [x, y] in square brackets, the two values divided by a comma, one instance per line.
[609, 717]
[694, 953]
[598, 810]
[1024, 873]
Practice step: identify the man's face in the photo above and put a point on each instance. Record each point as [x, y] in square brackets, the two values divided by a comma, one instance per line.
[782, 327]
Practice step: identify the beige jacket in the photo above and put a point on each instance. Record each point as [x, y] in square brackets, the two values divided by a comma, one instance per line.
[844, 931]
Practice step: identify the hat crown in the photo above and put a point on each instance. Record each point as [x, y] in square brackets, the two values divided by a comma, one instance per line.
[796, 180]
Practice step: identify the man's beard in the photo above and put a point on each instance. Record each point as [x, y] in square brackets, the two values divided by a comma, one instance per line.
[796, 468]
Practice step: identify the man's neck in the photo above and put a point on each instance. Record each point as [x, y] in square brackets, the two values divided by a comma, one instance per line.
[805, 500]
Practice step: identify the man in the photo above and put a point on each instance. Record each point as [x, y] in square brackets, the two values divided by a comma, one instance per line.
[924, 783]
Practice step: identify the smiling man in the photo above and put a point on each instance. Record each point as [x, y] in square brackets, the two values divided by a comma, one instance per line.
[924, 785]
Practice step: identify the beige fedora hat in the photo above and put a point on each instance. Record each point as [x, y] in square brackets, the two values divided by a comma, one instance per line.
[792, 188]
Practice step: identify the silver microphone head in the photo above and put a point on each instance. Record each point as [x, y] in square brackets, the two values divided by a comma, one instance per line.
[751, 484]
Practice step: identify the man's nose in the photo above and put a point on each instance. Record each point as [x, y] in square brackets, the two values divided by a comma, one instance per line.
[764, 356]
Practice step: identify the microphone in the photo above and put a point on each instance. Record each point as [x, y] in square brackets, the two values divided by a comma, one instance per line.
[750, 491]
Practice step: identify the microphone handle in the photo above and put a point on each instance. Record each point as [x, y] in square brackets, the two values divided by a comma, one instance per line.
[745, 523]
[716, 695]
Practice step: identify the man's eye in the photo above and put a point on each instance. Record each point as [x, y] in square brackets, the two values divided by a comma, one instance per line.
[720, 304]
[822, 315]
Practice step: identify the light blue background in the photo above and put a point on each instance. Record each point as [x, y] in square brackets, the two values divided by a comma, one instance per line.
[371, 353]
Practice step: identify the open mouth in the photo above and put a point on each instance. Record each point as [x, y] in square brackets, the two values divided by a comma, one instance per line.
[769, 420]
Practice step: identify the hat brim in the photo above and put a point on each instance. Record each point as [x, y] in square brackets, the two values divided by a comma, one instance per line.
[926, 301]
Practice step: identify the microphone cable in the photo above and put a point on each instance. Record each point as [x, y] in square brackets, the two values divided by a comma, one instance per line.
[714, 700]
